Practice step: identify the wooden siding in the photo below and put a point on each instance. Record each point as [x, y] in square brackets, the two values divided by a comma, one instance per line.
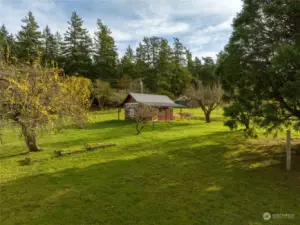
[164, 114]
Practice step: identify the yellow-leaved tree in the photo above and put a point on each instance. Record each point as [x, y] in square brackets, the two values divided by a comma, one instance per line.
[38, 98]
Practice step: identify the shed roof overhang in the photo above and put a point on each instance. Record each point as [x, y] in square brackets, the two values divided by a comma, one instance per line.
[167, 102]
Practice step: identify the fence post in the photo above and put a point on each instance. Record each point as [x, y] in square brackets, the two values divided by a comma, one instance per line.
[180, 113]
[288, 150]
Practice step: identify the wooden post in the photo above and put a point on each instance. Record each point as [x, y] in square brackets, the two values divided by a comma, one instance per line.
[288, 150]
[181, 113]
[118, 113]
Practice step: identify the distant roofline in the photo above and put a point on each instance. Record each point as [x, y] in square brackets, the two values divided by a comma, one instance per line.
[148, 94]
[157, 104]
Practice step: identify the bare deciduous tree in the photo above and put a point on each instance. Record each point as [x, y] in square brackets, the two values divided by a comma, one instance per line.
[208, 97]
[144, 114]
[102, 91]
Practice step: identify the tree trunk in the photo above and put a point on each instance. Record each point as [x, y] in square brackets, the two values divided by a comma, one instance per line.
[207, 117]
[247, 125]
[30, 139]
[205, 111]
[101, 103]
[139, 126]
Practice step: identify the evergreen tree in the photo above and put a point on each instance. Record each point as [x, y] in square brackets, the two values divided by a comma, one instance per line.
[29, 40]
[76, 48]
[182, 76]
[151, 47]
[165, 73]
[141, 66]
[260, 66]
[146, 46]
[154, 50]
[10, 52]
[3, 41]
[207, 73]
[180, 80]
[127, 65]
[50, 48]
[197, 69]
[190, 62]
[161, 67]
[59, 48]
[105, 56]
[179, 53]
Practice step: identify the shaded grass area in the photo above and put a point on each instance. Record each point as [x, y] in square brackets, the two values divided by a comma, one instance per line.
[184, 172]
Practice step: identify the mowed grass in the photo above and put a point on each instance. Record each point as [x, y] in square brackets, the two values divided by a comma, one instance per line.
[185, 172]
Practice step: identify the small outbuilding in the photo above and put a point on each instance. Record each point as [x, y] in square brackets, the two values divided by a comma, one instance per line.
[186, 101]
[162, 102]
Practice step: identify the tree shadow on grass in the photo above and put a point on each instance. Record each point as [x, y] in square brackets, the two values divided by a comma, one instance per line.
[14, 155]
[102, 124]
[213, 119]
[109, 131]
[186, 181]
[163, 125]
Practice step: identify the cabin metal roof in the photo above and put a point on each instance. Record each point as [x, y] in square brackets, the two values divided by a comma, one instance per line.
[153, 100]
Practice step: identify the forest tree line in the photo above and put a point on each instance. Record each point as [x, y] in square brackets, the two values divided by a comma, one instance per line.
[257, 74]
[258, 69]
[163, 68]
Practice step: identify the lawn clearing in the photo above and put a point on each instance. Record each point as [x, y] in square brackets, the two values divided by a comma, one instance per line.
[185, 172]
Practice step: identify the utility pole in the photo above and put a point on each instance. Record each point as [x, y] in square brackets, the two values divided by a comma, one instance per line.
[288, 150]
[142, 85]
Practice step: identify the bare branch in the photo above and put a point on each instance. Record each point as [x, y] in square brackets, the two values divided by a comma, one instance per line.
[209, 97]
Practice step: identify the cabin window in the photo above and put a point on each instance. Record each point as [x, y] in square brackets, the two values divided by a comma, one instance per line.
[131, 112]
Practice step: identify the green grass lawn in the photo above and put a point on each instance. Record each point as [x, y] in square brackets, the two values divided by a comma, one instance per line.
[185, 172]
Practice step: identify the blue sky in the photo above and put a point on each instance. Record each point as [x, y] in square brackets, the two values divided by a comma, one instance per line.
[204, 26]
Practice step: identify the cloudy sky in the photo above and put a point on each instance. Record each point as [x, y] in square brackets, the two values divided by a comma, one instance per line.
[204, 26]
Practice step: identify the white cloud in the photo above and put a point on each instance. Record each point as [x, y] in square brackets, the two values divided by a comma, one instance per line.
[209, 40]
[121, 36]
[202, 25]
[224, 26]
[157, 27]
[45, 12]
[174, 8]
[201, 54]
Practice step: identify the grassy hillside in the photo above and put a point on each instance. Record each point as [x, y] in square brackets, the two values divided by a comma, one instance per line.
[185, 172]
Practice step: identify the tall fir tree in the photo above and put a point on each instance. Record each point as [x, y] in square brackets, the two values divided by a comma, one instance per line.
[141, 67]
[3, 41]
[11, 50]
[165, 72]
[105, 54]
[127, 65]
[29, 40]
[154, 51]
[49, 48]
[197, 71]
[182, 76]
[207, 73]
[190, 62]
[59, 48]
[179, 53]
[162, 68]
[76, 48]
[151, 46]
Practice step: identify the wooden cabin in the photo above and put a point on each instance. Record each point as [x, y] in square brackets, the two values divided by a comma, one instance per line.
[162, 102]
